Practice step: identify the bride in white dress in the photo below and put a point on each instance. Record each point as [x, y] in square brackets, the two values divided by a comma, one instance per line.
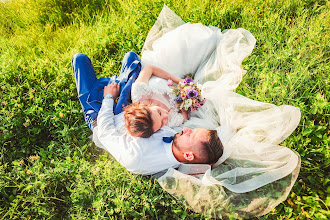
[255, 173]
[159, 106]
[154, 108]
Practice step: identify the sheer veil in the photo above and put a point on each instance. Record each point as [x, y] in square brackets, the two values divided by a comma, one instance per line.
[255, 173]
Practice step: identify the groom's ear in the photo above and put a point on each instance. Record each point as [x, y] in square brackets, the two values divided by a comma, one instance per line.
[189, 156]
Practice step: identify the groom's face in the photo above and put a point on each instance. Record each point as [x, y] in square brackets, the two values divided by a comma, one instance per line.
[188, 139]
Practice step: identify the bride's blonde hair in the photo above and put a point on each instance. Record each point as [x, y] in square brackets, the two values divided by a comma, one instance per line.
[138, 120]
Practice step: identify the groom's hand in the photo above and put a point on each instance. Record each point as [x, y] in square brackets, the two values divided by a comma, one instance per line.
[113, 89]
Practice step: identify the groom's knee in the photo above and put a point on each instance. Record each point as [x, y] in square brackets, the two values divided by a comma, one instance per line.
[129, 56]
[78, 58]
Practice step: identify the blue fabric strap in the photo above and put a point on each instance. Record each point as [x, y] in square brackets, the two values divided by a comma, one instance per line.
[90, 89]
[168, 139]
[129, 73]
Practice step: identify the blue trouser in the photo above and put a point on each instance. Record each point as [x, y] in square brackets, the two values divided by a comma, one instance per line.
[90, 89]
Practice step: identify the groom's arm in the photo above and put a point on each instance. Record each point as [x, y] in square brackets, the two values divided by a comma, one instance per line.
[124, 148]
[144, 156]
[105, 118]
[110, 93]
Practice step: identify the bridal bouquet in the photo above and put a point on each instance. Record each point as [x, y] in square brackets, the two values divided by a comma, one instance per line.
[188, 95]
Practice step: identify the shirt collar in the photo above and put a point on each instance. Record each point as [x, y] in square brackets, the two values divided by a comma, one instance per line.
[169, 153]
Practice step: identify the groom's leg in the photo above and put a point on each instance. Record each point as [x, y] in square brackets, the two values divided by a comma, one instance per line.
[130, 69]
[128, 59]
[85, 78]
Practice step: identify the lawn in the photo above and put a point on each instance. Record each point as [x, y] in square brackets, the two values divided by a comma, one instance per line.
[49, 167]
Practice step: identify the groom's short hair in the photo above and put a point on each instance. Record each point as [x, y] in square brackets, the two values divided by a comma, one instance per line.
[207, 152]
[211, 150]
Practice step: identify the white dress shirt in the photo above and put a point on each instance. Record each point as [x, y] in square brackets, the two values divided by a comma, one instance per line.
[138, 155]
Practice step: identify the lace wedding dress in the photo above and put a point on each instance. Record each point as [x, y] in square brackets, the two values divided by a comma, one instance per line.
[142, 91]
[255, 173]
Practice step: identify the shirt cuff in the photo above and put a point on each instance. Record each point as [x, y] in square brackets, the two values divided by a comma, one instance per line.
[108, 102]
[109, 96]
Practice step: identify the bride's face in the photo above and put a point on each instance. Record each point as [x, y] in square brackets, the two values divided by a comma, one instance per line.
[159, 117]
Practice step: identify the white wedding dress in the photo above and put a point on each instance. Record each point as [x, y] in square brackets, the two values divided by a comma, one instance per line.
[255, 173]
[142, 91]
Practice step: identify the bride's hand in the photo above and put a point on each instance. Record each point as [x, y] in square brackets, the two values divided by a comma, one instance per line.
[113, 89]
[185, 116]
[178, 80]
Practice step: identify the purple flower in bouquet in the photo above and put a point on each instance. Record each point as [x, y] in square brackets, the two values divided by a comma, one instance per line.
[188, 95]
[191, 93]
[178, 100]
[187, 81]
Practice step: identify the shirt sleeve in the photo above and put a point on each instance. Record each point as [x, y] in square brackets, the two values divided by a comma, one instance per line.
[138, 155]
[122, 147]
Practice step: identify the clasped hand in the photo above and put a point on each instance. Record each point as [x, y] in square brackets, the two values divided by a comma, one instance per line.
[113, 89]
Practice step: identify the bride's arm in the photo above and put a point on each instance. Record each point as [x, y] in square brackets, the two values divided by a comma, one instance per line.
[150, 70]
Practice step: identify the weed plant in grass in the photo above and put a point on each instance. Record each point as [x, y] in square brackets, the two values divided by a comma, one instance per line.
[49, 168]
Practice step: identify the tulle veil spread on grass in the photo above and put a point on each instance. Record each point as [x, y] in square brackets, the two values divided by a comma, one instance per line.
[255, 173]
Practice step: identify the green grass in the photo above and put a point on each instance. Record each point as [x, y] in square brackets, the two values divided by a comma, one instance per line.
[49, 168]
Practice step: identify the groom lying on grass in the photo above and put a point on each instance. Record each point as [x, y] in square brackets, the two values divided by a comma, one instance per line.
[163, 150]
